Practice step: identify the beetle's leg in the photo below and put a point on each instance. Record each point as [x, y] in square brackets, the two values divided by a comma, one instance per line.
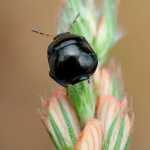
[67, 90]
[80, 79]
[88, 81]
[50, 74]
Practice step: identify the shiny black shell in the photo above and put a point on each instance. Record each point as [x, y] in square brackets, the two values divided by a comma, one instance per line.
[71, 59]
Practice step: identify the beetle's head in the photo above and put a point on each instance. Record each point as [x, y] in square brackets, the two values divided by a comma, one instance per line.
[61, 35]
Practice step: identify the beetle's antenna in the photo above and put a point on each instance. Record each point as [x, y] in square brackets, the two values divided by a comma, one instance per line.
[42, 33]
[73, 23]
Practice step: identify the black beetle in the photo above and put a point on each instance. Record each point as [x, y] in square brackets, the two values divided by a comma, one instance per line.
[71, 58]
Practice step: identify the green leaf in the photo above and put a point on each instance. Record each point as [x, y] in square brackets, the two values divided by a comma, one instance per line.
[127, 144]
[57, 131]
[107, 31]
[110, 131]
[83, 99]
[120, 134]
[55, 145]
[69, 125]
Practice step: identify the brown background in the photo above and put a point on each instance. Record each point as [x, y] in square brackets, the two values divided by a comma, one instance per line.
[24, 69]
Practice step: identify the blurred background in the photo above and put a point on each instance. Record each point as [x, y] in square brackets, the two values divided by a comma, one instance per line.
[24, 69]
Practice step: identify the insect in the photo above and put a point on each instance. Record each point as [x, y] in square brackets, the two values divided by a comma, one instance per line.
[71, 58]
